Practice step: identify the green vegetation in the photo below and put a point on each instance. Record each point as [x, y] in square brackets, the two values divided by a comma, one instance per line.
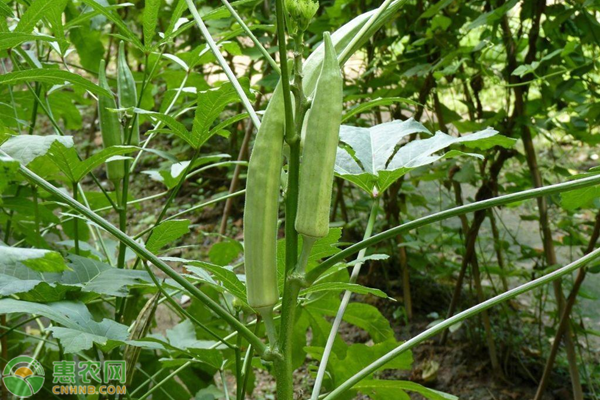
[151, 212]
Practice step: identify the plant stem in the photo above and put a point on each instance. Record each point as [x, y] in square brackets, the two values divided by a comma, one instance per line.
[122, 198]
[36, 213]
[294, 283]
[223, 63]
[285, 73]
[159, 124]
[267, 315]
[254, 39]
[349, 49]
[431, 332]
[453, 212]
[344, 304]
[182, 310]
[76, 220]
[565, 316]
[195, 208]
[147, 255]
[166, 379]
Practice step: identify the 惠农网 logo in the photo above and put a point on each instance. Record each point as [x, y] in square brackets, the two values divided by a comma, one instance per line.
[23, 376]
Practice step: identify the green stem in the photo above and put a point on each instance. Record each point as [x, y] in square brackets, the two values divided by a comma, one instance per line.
[238, 368]
[223, 63]
[290, 134]
[294, 283]
[342, 308]
[267, 315]
[431, 332]
[147, 255]
[76, 220]
[170, 199]
[453, 212]
[122, 197]
[247, 367]
[307, 245]
[36, 212]
[363, 31]
[167, 378]
[34, 112]
[182, 310]
[192, 209]
[254, 39]
[159, 124]
[58, 129]
[177, 188]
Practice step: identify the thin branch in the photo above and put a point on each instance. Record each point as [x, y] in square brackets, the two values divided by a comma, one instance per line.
[429, 333]
[147, 255]
[453, 212]
[362, 33]
[342, 308]
[258, 44]
[223, 63]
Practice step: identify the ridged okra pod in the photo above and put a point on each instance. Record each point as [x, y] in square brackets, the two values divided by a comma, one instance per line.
[110, 127]
[127, 95]
[261, 210]
[320, 147]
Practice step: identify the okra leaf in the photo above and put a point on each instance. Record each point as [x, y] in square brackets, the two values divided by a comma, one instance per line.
[372, 148]
[26, 148]
[166, 233]
[183, 336]
[5, 10]
[37, 10]
[388, 389]
[490, 142]
[229, 279]
[67, 159]
[210, 105]
[9, 40]
[359, 356]
[361, 315]
[578, 198]
[373, 158]
[225, 252]
[151, 9]
[177, 128]
[86, 166]
[52, 77]
[386, 178]
[171, 175]
[79, 330]
[38, 260]
[361, 108]
[115, 19]
[9, 169]
[87, 275]
[341, 286]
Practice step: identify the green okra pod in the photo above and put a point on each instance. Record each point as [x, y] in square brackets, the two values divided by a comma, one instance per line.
[127, 95]
[320, 148]
[261, 210]
[110, 127]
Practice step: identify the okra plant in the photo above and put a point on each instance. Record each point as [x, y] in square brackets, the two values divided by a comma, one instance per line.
[255, 309]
